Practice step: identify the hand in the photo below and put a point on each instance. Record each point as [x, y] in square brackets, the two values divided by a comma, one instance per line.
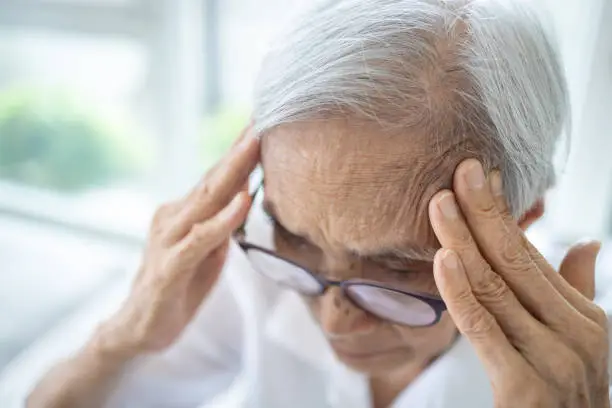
[186, 250]
[543, 342]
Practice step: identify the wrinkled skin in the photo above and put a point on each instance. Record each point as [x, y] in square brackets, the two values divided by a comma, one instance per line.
[350, 191]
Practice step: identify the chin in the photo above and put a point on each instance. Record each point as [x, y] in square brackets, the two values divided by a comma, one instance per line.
[378, 363]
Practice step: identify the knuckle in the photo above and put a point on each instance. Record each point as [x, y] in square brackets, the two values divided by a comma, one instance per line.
[475, 320]
[490, 287]
[593, 344]
[203, 199]
[205, 189]
[175, 265]
[463, 238]
[512, 254]
[539, 397]
[163, 212]
[569, 372]
[202, 238]
[597, 340]
[599, 316]
[468, 251]
[525, 388]
[479, 323]
[487, 210]
[202, 193]
[162, 221]
[199, 233]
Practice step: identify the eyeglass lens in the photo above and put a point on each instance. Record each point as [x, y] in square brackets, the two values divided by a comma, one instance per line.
[384, 303]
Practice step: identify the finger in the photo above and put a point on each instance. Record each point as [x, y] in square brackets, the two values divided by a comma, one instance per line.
[573, 296]
[503, 247]
[219, 188]
[246, 132]
[472, 319]
[233, 169]
[243, 135]
[502, 351]
[204, 238]
[206, 276]
[164, 212]
[488, 287]
[578, 268]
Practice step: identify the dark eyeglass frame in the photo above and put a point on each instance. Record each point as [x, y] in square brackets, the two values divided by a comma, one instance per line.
[437, 304]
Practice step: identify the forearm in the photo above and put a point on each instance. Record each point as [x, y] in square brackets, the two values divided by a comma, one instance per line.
[83, 380]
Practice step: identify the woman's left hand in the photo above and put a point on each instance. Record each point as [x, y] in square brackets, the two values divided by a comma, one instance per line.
[542, 340]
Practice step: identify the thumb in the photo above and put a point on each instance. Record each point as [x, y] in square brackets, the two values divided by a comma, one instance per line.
[578, 267]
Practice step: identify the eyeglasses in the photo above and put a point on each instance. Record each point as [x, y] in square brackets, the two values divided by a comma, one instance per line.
[386, 302]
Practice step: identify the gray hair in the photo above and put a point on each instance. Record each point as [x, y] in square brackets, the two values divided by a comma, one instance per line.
[483, 68]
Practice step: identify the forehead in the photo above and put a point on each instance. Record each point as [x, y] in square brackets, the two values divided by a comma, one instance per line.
[353, 186]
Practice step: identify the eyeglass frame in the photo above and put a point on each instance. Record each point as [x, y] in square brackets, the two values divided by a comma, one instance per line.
[436, 303]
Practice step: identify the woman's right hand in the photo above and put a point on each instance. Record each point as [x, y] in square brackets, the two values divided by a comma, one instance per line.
[186, 250]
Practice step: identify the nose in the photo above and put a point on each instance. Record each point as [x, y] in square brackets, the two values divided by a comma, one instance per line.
[339, 317]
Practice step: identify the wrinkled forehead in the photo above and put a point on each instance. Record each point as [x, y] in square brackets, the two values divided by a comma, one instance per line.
[353, 186]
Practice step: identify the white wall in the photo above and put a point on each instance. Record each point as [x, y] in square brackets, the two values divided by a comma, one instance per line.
[580, 206]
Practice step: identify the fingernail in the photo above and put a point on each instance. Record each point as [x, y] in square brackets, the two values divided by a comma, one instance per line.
[589, 242]
[474, 176]
[496, 184]
[450, 259]
[447, 206]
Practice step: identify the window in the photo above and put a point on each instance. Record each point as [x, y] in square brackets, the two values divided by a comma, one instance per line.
[73, 119]
[108, 108]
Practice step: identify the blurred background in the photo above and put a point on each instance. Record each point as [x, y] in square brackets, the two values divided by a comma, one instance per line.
[109, 107]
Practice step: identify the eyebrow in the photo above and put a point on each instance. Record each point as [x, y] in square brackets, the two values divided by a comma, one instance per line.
[403, 253]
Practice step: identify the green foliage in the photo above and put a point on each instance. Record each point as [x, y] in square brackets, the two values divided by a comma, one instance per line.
[220, 130]
[48, 140]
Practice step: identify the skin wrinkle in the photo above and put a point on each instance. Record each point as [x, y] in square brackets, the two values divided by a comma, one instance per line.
[353, 189]
[413, 184]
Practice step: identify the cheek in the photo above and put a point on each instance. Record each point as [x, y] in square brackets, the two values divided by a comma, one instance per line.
[380, 328]
[430, 339]
[315, 305]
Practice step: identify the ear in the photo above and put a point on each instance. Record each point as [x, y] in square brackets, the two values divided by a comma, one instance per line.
[532, 215]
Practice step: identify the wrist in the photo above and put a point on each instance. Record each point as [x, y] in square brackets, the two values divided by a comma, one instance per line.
[112, 344]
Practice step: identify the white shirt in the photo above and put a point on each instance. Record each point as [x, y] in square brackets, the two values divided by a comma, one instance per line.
[255, 345]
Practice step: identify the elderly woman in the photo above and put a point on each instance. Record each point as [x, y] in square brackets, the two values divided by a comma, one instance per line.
[405, 145]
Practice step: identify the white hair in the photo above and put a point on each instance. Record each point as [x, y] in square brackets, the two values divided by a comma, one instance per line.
[483, 70]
